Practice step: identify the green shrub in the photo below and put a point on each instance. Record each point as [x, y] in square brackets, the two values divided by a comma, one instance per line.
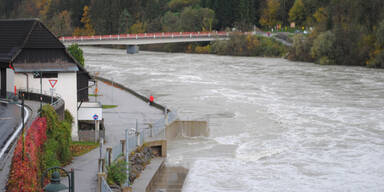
[77, 53]
[300, 50]
[249, 45]
[117, 172]
[57, 147]
[50, 158]
[323, 48]
[68, 117]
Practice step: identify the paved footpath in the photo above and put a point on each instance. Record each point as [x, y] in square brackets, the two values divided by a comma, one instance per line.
[116, 120]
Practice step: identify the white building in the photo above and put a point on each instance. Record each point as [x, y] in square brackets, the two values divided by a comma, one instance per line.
[39, 61]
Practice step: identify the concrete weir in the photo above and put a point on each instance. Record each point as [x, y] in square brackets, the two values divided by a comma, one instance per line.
[187, 129]
[132, 49]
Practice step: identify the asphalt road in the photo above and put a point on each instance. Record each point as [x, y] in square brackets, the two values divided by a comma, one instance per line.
[10, 117]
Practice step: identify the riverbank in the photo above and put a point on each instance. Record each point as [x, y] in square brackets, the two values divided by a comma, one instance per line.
[237, 45]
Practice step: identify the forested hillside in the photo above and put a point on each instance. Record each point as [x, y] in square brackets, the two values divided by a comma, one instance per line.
[346, 32]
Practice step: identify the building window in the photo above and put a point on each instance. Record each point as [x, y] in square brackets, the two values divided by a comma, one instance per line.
[45, 75]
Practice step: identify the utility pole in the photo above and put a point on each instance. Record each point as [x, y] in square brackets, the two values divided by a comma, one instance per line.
[23, 126]
[41, 93]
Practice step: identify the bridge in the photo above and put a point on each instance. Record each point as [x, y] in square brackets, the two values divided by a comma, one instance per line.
[133, 40]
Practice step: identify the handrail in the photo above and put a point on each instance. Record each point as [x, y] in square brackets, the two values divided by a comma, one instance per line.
[163, 35]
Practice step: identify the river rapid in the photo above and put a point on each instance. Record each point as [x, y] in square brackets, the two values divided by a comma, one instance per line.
[275, 125]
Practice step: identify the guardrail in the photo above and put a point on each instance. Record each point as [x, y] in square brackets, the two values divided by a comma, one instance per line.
[165, 35]
[35, 94]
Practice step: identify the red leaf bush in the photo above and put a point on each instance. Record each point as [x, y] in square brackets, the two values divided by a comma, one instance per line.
[25, 173]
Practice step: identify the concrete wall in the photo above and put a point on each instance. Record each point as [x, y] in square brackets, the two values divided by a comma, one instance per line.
[187, 129]
[89, 135]
[66, 88]
[10, 80]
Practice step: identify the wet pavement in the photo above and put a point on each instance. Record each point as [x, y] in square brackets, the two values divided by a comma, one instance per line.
[10, 116]
[116, 120]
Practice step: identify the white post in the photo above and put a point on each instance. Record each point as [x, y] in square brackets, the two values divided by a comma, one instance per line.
[166, 116]
[97, 130]
[127, 155]
[112, 90]
[101, 147]
[52, 95]
[137, 134]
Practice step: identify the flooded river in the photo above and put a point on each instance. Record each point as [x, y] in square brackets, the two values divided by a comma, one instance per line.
[275, 125]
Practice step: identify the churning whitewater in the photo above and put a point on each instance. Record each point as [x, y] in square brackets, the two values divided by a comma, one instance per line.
[275, 125]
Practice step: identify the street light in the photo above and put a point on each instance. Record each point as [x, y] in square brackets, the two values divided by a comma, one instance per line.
[55, 184]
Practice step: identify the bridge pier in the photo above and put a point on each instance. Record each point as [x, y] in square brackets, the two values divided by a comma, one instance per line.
[132, 49]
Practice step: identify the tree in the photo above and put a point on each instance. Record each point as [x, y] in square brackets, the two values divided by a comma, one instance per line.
[196, 19]
[138, 27]
[60, 24]
[126, 21]
[170, 22]
[77, 53]
[269, 17]
[323, 47]
[297, 13]
[177, 5]
[88, 28]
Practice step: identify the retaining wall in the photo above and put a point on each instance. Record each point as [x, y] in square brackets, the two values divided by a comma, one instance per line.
[187, 129]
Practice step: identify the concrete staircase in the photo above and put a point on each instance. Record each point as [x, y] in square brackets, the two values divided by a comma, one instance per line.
[170, 179]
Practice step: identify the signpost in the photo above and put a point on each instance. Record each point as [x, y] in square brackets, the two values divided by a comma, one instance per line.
[52, 89]
[97, 127]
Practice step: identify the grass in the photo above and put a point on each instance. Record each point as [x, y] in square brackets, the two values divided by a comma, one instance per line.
[109, 106]
[94, 95]
[79, 148]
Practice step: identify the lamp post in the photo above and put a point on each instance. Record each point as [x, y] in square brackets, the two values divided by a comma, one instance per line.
[55, 184]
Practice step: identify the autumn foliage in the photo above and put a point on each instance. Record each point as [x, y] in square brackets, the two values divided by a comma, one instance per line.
[26, 172]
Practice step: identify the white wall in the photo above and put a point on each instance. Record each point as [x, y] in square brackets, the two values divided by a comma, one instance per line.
[10, 80]
[66, 88]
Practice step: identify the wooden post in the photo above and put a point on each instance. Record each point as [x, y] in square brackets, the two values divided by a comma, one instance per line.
[100, 176]
[109, 152]
[101, 165]
[122, 142]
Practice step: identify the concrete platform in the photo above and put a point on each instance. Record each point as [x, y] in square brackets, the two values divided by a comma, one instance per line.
[145, 181]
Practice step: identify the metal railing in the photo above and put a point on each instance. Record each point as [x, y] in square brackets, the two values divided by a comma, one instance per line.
[163, 35]
[56, 101]
[133, 139]
[104, 186]
[56, 98]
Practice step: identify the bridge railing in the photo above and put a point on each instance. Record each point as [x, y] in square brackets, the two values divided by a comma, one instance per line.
[164, 35]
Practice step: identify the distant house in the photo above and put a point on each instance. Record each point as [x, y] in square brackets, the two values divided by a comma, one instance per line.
[28, 51]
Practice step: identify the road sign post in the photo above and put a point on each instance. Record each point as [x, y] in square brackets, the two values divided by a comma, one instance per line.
[52, 89]
[97, 127]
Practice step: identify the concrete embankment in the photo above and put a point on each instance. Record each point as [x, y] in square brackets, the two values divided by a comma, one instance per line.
[156, 177]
